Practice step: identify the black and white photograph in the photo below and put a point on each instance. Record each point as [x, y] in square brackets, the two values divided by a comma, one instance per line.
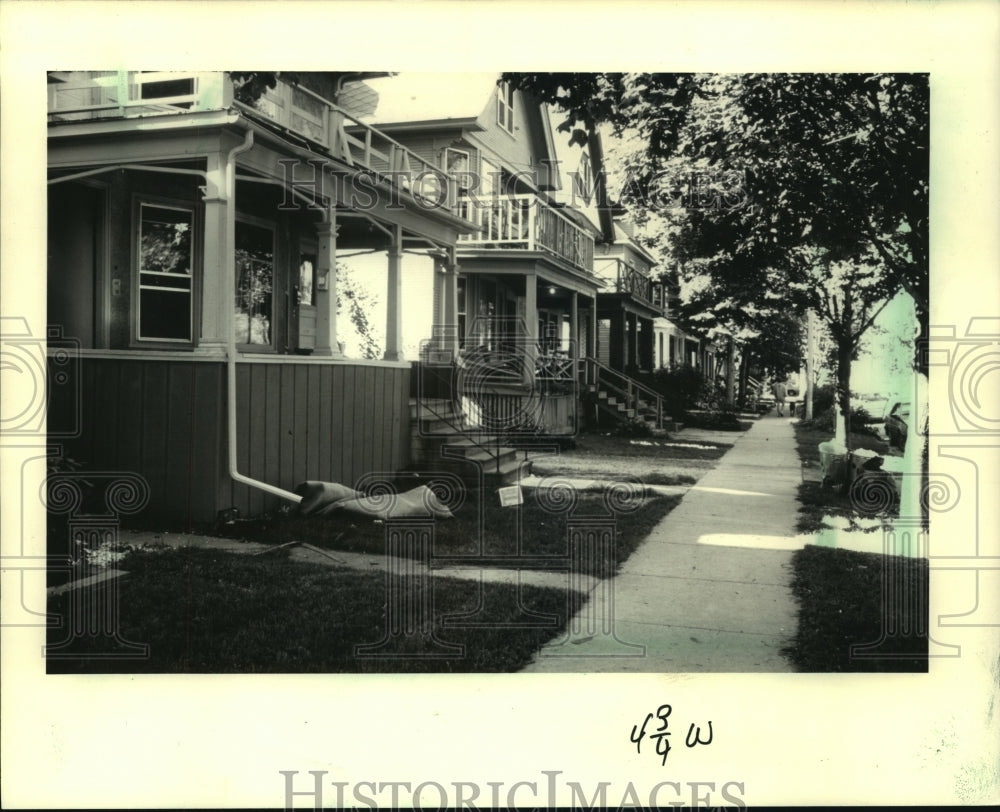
[645, 408]
[658, 401]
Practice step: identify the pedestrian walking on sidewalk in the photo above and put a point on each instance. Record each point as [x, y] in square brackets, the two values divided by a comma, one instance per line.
[779, 392]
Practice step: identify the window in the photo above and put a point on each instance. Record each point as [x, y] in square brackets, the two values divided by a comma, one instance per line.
[583, 179]
[307, 275]
[456, 162]
[159, 86]
[505, 106]
[254, 284]
[460, 284]
[165, 262]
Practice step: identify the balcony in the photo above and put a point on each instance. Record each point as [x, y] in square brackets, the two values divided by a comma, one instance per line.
[627, 279]
[82, 95]
[89, 95]
[357, 144]
[524, 222]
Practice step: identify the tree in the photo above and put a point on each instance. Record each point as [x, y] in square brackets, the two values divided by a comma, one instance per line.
[248, 86]
[835, 158]
[805, 189]
[358, 302]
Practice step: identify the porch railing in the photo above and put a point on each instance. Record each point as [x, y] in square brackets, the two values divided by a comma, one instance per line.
[104, 94]
[355, 143]
[97, 94]
[524, 222]
[628, 391]
[627, 278]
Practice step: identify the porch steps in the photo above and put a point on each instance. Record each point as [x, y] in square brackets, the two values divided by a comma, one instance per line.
[644, 415]
[441, 440]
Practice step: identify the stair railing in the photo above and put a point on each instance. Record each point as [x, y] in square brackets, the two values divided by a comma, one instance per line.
[601, 376]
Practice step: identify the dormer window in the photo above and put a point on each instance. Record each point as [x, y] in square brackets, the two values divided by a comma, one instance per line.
[505, 106]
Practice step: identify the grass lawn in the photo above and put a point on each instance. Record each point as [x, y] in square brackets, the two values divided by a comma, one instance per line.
[817, 501]
[652, 460]
[203, 611]
[524, 535]
[841, 604]
[597, 444]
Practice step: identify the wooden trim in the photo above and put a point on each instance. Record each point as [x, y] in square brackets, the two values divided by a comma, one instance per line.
[278, 281]
[197, 211]
[218, 357]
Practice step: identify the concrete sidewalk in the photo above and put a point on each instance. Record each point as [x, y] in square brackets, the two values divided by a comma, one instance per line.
[708, 591]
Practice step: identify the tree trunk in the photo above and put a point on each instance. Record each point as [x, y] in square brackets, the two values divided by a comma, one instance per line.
[731, 374]
[810, 351]
[744, 375]
[844, 351]
[911, 505]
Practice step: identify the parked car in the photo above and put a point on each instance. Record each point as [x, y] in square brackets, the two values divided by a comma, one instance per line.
[896, 422]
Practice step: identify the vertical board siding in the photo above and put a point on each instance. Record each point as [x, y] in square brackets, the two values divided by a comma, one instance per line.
[154, 437]
[315, 404]
[167, 421]
[179, 428]
[271, 439]
[346, 398]
[300, 424]
[324, 445]
[208, 448]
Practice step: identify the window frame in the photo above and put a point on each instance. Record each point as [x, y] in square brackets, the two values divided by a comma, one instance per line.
[505, 107]
[194, 290]
[583, 178]
[259, 222]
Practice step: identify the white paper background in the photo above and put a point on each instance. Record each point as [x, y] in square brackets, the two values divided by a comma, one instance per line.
[796, 739]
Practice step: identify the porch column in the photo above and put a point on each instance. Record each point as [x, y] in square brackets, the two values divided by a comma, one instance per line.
[450, 314]
[393, 306]
[648, 349]
[592, 336]
[216, 297]
[574, 327]
[325, 293]
[626, 341]
[439, 324]
[531, 317]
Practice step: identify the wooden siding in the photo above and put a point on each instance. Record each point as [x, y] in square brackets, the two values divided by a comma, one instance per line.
[166, 420]
[514, 149]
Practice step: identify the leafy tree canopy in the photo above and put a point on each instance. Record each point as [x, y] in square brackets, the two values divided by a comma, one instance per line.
[770, 192]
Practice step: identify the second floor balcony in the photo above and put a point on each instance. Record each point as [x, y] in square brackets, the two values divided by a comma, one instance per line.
[88, 95]
[621, 277]
[524, 222]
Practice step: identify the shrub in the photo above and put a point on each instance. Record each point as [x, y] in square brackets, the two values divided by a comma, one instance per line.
[823, 398]
[681, 387]
[726, 420]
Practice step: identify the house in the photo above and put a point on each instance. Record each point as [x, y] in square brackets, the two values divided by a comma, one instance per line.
[512, 342]
[629, 304]
[193, 250]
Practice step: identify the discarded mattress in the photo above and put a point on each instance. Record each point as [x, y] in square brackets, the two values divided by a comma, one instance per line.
[323, 498]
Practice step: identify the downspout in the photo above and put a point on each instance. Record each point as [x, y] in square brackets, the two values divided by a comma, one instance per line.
[230, 327]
